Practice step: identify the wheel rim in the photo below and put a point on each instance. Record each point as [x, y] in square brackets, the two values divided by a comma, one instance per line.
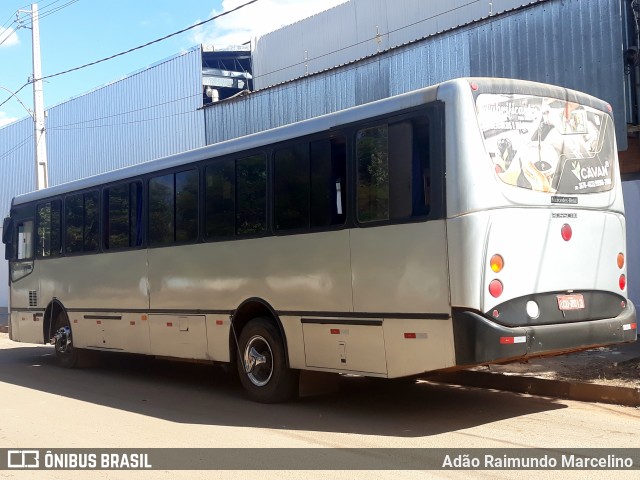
[63, 342]
[258, 361]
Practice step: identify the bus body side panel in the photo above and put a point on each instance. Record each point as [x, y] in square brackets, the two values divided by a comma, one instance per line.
[113, 281]
[294, 274]
[466, 236]
[85, 285]
[25, 325]
[401, 268]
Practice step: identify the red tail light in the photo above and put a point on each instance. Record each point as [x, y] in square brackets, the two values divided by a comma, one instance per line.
[622, 282]
[566, 232]
[495, 288]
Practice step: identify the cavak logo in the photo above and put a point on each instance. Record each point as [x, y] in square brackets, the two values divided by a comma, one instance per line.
[575, 168]
[23, 459]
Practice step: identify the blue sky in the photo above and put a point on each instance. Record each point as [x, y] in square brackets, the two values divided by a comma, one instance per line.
[87, 30]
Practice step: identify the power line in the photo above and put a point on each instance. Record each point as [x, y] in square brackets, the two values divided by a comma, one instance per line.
[92, 120]
[16, 147]
[45, 13]
[14, 93]
[215, 17]
[40, 15]
[120, 124]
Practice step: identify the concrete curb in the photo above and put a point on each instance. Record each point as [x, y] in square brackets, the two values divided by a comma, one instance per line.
[583, 392]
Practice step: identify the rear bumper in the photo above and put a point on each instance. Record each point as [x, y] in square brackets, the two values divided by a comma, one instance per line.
[478, 340]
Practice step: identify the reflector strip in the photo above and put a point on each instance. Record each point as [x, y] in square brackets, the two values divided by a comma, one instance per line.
[75, 320]
[99, 322]
[219, 322]
[335, 331]
[143, 317]
[132, 323]
[510, 340]
[630, 326]
[169, 324]
[422, 335]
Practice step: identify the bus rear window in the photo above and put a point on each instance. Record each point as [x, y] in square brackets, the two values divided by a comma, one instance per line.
[547, 144]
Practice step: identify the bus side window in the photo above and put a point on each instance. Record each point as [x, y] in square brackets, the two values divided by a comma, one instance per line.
[393, 171]
[81, 221]
[25, 240]
[123, 213]
[235, 197]
[251, 195]
[48, 216]
[372, 156]
[308, 177]
[173, 208]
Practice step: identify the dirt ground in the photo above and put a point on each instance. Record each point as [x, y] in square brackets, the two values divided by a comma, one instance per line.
[611, 366]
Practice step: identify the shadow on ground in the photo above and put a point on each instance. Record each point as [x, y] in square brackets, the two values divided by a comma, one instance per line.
[204, 394]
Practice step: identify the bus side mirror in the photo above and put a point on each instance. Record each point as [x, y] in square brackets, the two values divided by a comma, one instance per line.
[7, 230]
[7, 237]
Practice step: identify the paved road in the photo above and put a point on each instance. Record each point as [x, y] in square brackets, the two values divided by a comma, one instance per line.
[131, 402]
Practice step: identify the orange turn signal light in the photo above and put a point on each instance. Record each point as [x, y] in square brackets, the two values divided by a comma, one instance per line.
[497, 263]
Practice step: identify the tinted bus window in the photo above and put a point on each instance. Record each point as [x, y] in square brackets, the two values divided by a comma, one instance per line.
[220, 199]
[308, 183]
[48, 219]
[393, 171]
[173, 208]
[161, 210]
[91, 221]
[81, 221]
[124, 216]
[251, 190]
[291, 184]
[186, 206]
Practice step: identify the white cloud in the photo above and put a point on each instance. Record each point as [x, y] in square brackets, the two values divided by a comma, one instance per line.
[256, 19]
[8, 37]
[5, 119]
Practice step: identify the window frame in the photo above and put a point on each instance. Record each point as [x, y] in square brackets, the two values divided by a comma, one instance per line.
[141, 221]
[308, 140]
[146, 195]
[97, 189]
[266, 153]
[434, 112]
[36, 206]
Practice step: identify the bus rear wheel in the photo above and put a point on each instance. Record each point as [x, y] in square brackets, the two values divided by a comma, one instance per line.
[262, 364]
[66, 354]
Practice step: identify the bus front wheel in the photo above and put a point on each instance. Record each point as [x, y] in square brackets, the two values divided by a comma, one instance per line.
[66, 353]
[262, 364]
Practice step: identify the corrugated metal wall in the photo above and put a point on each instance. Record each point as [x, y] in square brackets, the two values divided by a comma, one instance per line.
[573, 43]
[17, 162]
[17, 167]
[357, 29]
[150, 114]
[147, 115]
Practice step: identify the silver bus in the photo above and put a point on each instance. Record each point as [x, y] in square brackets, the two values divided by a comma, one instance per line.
[473, 222]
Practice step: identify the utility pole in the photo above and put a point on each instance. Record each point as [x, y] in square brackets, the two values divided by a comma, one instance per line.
[39, 135]
[42, 174]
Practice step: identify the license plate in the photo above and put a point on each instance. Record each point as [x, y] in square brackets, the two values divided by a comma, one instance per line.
[574, 301]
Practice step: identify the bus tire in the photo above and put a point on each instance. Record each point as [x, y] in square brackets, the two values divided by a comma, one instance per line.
[262, 364]
[67, 355]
